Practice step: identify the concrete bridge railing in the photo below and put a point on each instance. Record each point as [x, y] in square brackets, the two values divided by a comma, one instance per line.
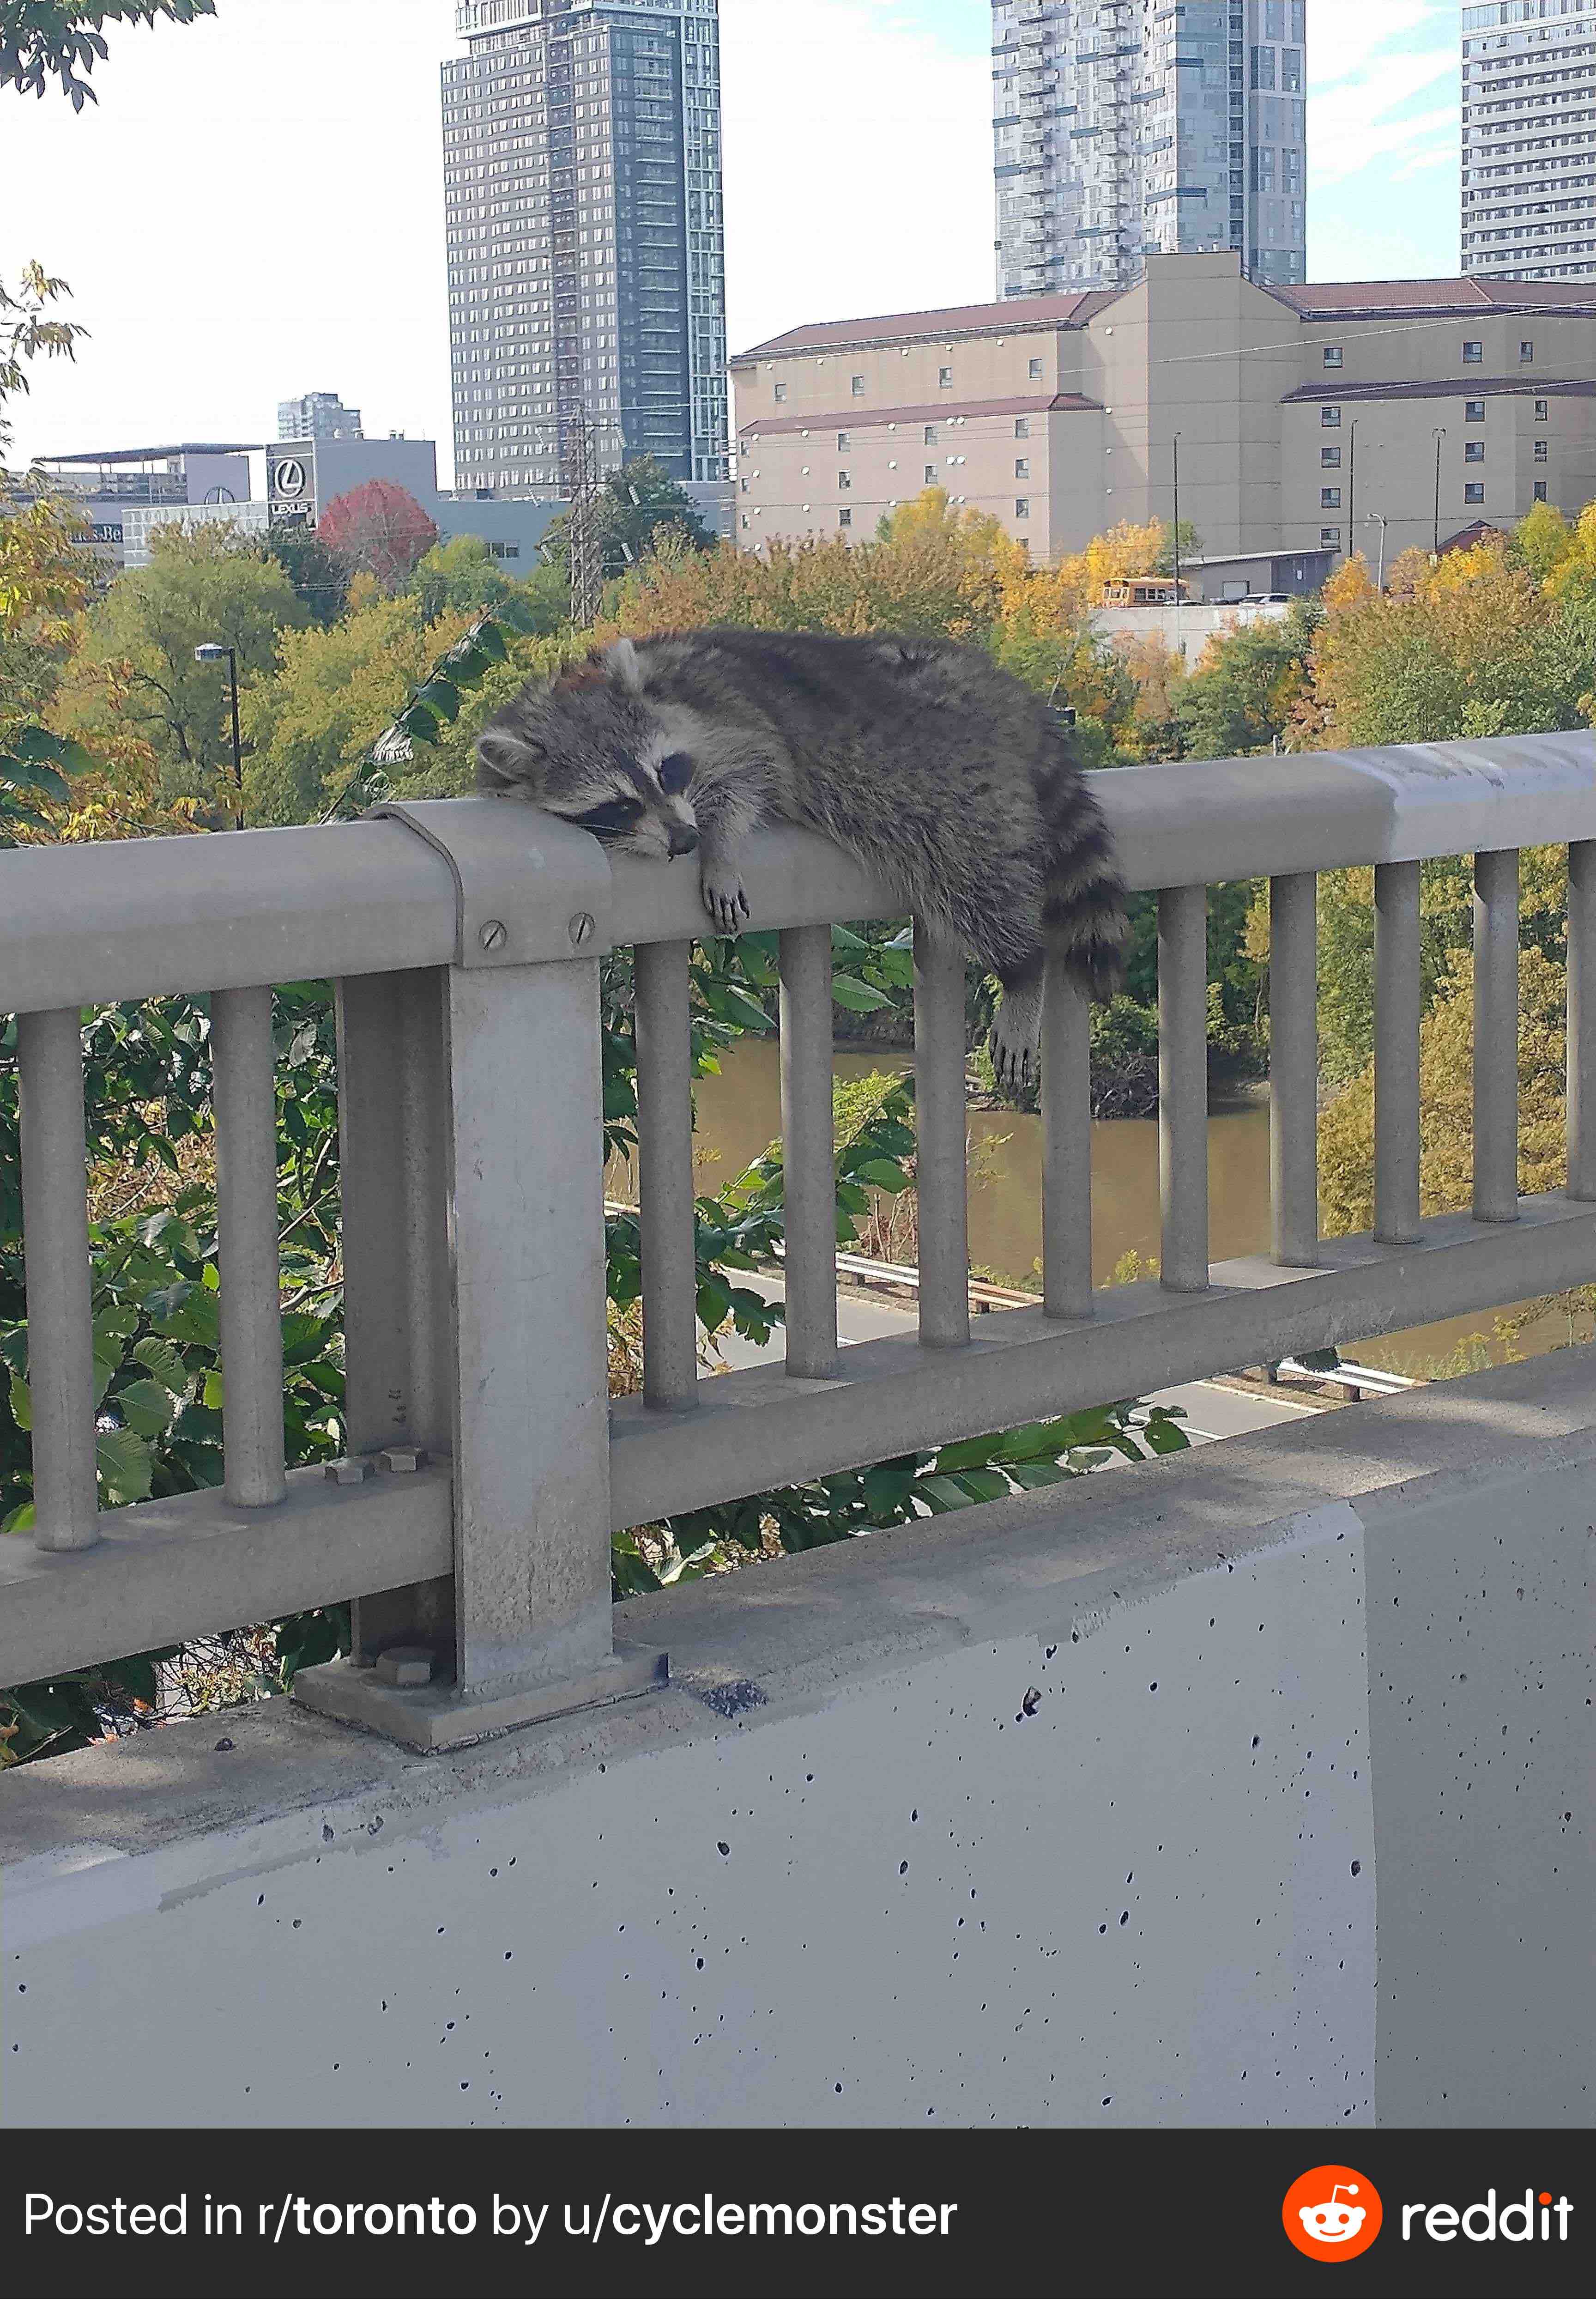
[487, 1467]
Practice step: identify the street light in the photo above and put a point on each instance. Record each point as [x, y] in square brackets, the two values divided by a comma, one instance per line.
[1384, 523]
[1440, 434]
[212, 653]
[1175, 452]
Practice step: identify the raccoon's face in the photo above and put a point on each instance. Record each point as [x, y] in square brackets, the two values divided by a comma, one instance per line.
[590, 749]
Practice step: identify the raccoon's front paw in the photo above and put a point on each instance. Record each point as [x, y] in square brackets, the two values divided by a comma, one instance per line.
[725, 898]
[1016, 1052]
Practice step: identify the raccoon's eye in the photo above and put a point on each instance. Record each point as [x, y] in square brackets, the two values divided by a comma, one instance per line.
[605, 821]
[675, 773]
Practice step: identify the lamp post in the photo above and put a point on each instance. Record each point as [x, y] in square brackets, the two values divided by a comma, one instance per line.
[1372, 517]
[212, 653]
[1440, 434]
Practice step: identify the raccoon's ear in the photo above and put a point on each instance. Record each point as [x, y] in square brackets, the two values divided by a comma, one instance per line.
[504, 760]
[620, 659]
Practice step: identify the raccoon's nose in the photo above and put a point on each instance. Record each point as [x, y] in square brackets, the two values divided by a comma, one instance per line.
[683, 839]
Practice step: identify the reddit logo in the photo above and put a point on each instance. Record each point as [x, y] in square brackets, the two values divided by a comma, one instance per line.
[1332, 2212]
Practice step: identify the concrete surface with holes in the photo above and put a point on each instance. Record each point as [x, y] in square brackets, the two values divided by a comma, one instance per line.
[1235, 1791]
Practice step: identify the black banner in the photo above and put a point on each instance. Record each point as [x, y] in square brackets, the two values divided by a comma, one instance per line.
[1136, 2214]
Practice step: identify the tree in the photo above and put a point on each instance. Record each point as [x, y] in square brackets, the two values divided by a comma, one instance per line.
[379, 529]
[320, 580]
[1540, 541]
[1247, 684]
[48, 574]
[25, 334]
[203, 584]
[1191, 544]
[462, 576]
[44, 39]
[639, 511]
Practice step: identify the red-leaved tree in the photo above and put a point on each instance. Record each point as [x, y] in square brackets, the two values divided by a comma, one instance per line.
[379, 529]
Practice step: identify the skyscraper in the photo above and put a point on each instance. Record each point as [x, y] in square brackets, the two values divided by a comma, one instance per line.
[1529, 139]
[318, 415]
[1129, 128]
[586, 253]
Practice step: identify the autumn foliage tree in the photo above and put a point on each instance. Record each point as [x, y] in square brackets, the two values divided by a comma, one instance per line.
[379, 529]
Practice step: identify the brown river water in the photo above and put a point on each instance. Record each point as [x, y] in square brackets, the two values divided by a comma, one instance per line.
[739, 1113]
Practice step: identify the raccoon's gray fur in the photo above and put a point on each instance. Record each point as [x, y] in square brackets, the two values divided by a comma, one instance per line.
[943, 775]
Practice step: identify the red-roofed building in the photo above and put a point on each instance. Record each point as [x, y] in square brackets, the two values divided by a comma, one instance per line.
[1303, 416]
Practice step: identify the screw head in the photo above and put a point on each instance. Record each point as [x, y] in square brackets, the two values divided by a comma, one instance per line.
[581, 927]
[403, 1460]
[346, 1471]
[494, 935]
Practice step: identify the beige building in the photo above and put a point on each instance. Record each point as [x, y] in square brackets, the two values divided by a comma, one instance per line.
[1300, 417]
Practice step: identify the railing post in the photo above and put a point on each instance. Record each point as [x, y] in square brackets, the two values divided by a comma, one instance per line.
[666, 1207]
[61, 1366]
[940, 1123]
[1066, 1145]
[1183, 1086]
[1294, 1069]
[1582, 1020]
[1398, 995]
[245, 1098]
[505, 1129]
[1496, 1036]
[394, 1175]
[808, 1157]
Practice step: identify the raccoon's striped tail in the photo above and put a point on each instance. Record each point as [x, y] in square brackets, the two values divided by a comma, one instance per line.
[1084, 907]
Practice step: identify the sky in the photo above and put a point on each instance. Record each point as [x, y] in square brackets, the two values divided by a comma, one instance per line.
[254, 209]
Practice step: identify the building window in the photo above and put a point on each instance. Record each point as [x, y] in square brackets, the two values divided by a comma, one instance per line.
[945, 379]
[844, 481]
[1474, 354]
[930, 434]
[745, 522]
[1543, 410]
[1330, 457]
[1540, 493]
[780, 391]
[1475, 492]
[1332, 355]
[1330, 498]
[1034, 370]
[1023, 467]
[1474, 451]
[845, 440]
[1021, 427]
[1330, 417]
[1022, 507]
[1542, 450]
[845, 517]
[1526, 352]
[856, 385]
[1332, 536]
[1474, 410]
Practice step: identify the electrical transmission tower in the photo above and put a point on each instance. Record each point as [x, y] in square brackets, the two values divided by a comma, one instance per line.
[579, 460]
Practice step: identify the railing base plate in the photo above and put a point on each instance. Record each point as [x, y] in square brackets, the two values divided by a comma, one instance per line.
[433, 1718]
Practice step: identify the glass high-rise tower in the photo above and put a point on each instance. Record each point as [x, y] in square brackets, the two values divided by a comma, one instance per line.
[1129, 128]
[1529, 139]
[586, 254]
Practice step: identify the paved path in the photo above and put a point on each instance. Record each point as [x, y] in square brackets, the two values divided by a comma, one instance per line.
[1211, 1410]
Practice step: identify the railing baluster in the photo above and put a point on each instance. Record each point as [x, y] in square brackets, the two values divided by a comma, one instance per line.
[808, 1157]
[1582, 1020]
[1496, 1036]
[61, 1366]
[939, 1158]
[1294, 1069]
[1397, 1009]
[665, 1178]
[1183, 1085]
[246, 1197]
[1066, 1145]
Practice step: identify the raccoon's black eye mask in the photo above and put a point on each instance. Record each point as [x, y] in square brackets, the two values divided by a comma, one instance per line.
[610, 820]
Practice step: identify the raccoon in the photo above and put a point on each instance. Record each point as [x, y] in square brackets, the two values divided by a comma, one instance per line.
[940, 773]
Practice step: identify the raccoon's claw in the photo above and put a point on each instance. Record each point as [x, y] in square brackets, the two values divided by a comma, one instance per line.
[726, 903]
[1016, 1062]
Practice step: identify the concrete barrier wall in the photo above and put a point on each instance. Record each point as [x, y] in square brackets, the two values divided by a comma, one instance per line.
[1226, 1790]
